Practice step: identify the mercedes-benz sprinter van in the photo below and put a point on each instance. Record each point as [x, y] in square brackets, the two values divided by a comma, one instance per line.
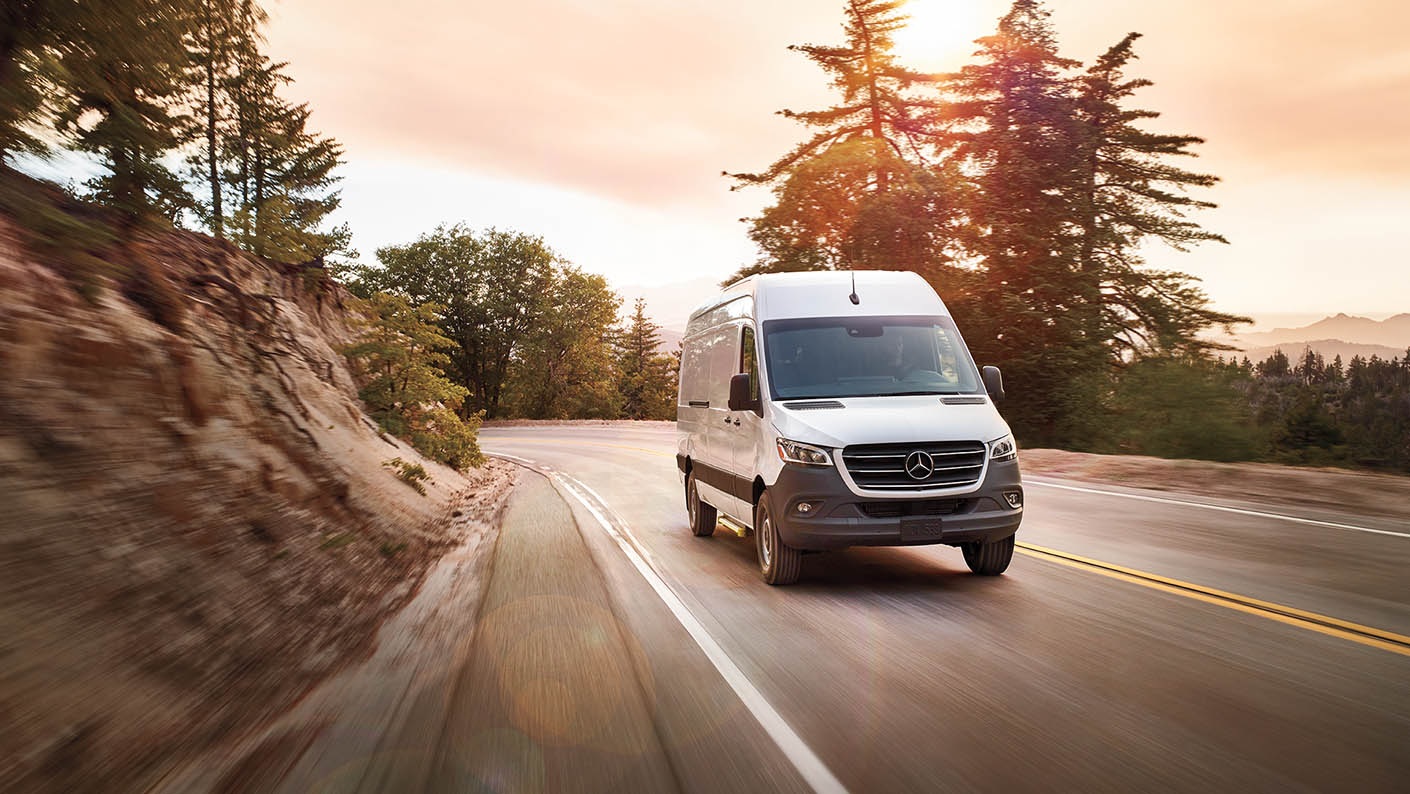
[834, 409]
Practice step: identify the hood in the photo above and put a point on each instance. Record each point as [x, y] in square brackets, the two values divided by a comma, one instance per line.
[884, 420]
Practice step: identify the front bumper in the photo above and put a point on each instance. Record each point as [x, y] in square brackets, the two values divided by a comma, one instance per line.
[840, 518]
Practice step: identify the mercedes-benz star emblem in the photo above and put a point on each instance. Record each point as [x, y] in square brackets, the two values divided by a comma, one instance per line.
[920, 465]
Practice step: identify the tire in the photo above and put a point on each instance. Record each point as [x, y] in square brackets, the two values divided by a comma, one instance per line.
[989, 559]
[702, 516]
[778, 562]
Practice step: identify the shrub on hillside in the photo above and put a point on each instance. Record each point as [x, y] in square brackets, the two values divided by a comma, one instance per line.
[398, 361]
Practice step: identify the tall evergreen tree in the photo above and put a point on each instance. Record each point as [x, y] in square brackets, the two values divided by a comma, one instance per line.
[281, 174]
[29, 29]
[399, 362]
[222, 28]
[854, 195]
[646, 377]
[1011, 127]
[122, 67]
[1125, 195]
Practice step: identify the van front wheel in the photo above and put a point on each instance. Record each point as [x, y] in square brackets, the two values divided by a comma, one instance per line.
[779, 563]
[989, 559]
[702, 516]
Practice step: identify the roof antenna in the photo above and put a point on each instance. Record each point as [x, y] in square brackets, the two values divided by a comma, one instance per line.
[853, 297]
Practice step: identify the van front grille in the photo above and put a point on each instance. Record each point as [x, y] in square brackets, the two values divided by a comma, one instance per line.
[932, 464]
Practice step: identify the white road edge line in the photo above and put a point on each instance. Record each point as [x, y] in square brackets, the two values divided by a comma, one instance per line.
[1220, 508]
[808, 764]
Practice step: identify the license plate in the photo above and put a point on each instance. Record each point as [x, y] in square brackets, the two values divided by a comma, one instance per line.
[920, 529]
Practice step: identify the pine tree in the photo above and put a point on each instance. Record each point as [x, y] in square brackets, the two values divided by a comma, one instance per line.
[1011, 128]
[280, 174]
[398, 359]
[646, 378]
[121, 70]
[29, 29]
[855, 194]
[1127, 194]
[222, 28]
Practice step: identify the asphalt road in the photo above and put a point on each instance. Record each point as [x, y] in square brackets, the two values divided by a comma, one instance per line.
[1140, 641]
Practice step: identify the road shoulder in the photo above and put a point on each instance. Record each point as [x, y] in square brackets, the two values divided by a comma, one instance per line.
[549, 698]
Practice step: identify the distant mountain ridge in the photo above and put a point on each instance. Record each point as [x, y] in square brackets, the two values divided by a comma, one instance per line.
[1341, 334]
[1392, 332]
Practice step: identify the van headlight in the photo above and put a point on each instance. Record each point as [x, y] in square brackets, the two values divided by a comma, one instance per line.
[803, 454]
[1003, 449]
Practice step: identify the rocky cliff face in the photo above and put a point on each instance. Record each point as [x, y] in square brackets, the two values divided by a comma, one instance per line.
[196, 521]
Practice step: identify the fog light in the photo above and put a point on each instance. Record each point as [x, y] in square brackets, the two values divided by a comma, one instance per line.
[1014, 498]
[805, 507]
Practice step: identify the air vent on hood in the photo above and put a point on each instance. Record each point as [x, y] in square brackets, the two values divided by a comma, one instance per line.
[963, 400]
[815, 405]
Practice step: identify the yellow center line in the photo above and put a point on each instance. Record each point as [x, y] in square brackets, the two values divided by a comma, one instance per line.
[1312, 621]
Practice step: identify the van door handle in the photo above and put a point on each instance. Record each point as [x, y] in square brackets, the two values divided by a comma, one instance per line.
[699, 403]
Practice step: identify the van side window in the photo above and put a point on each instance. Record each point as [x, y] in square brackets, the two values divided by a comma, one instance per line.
[749, 362]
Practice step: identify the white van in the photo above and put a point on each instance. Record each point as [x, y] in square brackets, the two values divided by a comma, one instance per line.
[833, 409]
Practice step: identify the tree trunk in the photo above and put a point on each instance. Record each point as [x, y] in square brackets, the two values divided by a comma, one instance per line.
[212, 153]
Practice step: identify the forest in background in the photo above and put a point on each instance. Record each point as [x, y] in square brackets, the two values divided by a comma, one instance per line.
[1025, 186]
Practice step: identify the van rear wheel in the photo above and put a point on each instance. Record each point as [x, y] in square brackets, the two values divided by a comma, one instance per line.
[778, 562]
[989, 559]
[702, 516]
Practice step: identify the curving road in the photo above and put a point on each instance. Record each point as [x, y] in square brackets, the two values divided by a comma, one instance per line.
[1140, 641]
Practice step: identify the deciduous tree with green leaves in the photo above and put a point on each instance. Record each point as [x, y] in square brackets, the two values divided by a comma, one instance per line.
[564, 368]
[494, 286]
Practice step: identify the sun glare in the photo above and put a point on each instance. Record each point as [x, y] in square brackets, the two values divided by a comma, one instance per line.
[940, 34]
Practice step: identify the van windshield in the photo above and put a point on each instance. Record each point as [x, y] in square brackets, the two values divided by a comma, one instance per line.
[866, 357]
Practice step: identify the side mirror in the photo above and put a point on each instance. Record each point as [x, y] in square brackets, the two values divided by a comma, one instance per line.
[994, 383]
[740, 394]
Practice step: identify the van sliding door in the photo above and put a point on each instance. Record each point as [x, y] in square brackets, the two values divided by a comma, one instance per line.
[716, 477]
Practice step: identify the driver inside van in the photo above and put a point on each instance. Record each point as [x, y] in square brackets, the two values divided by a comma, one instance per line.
[894, 357]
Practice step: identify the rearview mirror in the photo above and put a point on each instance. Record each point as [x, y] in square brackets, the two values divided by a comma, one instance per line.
[994, 383]
[741, 393]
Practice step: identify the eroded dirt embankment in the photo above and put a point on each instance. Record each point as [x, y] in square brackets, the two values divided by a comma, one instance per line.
[195, 520]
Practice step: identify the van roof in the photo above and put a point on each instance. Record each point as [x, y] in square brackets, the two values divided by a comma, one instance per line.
[826, 294]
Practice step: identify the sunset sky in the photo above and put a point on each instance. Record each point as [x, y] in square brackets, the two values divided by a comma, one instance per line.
[604, 125]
